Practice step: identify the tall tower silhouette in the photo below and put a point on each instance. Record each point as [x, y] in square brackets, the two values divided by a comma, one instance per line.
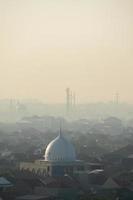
[68, 99]
[74, 99]
[116, 100]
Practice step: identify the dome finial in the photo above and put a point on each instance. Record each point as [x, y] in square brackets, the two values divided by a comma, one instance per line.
[60, 133]
[60, 150]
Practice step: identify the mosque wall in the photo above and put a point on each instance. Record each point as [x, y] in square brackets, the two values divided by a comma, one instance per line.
[35, 168]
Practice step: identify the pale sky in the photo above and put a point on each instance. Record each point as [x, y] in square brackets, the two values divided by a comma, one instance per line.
[48, 45]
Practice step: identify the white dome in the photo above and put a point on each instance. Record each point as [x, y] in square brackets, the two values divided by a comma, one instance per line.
[60, 150]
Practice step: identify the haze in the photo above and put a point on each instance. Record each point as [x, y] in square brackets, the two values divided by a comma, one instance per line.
[48, 45]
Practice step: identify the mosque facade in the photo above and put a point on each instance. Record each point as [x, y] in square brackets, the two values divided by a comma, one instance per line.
[59, 159]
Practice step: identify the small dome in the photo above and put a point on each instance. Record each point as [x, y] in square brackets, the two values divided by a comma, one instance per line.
[60, 150]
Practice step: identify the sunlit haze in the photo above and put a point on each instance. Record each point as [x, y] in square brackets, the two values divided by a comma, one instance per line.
[48, 45]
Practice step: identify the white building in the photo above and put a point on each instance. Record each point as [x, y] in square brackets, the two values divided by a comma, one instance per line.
[59, 159]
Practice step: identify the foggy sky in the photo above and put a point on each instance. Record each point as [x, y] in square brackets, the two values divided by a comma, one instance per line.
[48, 45]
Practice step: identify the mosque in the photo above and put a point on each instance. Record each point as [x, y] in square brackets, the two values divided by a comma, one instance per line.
[59, 159]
